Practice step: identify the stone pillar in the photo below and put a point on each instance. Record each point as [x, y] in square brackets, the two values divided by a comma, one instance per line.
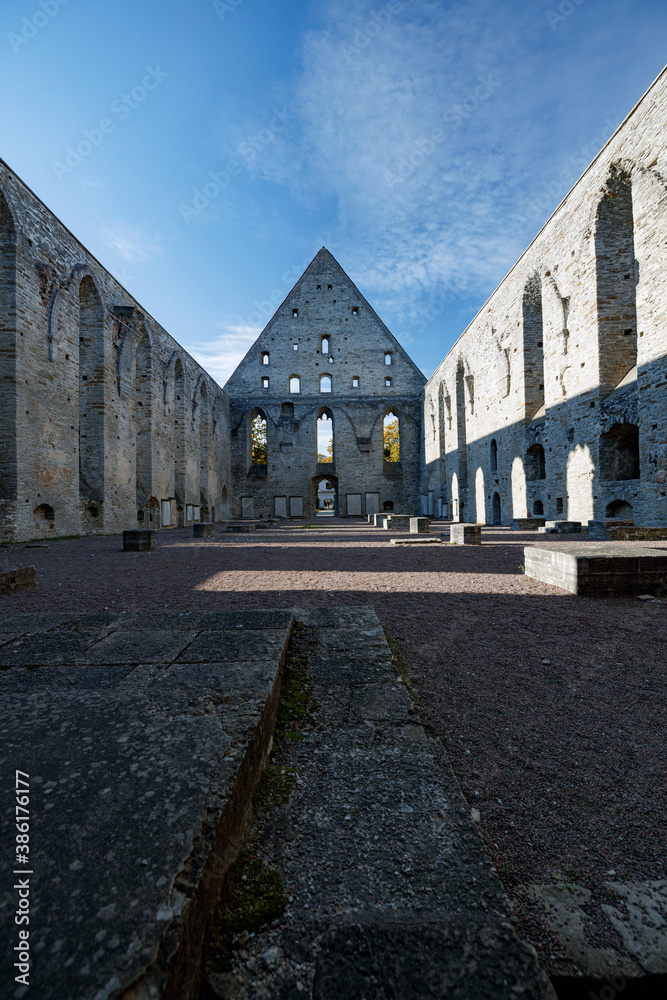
[420, 526]
[465, 534]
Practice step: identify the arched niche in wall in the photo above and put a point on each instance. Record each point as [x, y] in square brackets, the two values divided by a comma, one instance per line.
[258, 445]
[91, 391]
[8, 335]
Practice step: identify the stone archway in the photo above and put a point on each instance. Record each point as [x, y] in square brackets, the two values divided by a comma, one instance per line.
[325, 496]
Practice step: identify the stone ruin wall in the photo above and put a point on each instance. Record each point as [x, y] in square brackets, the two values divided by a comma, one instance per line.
[549, 361]
[103, 415]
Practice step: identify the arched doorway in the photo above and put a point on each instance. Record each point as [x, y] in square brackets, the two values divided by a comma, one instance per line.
[326, 496]
[496, 510]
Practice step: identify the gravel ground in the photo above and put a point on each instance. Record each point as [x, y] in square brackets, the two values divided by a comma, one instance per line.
[552, 707]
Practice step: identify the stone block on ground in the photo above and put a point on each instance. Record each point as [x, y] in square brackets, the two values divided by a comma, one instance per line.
[419, 526]
[465, 534]
[203, 530]
[379, 519]
[599, 569]
[139, 540]
[19, 578]
[624, 531]
[526, 523]
[560, 528]
[397, 522]
[148, 756]
[416, 540]
[240, 528]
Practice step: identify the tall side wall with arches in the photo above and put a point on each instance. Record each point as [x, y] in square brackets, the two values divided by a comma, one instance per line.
[553, 402]
[106, 422]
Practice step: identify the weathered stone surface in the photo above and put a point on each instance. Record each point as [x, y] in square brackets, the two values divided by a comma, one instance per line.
[397, 522]
[379, 519]
[139, 540]
[241, 528]
[624, 532]
[598, 569]
[465, 534]
[392, 892]
[140, 779]
[203, 530]
[560, 528]
[17, 579]
[526, 523]
[420, 525]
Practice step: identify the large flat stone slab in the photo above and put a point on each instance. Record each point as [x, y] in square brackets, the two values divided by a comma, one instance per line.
[598, 569]
[141, 766]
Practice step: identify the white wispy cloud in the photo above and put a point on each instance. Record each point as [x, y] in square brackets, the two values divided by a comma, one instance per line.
[221, 355]
[131, 243]
[415, 124]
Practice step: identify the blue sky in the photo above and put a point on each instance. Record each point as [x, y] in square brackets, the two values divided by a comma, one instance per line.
[221, 144]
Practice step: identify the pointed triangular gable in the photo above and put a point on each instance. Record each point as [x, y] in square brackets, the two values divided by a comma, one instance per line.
[325, 303]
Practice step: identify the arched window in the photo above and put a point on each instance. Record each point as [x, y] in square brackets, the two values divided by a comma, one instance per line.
[391, 437]
[387, 382]
[325, 383]
[325, 438]
[535, 464]
[619, 452]
[493, 455]
[325, 345]
[258, 442]
[294, 383]
[265, 357]
[388, 358]
[538, 508]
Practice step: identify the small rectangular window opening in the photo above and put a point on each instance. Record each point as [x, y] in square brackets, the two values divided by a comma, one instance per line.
[355, 310]
[265, 383]
[295, 347]
[295, 313]
[329, 287]
[355, 383]
[319, 288]
[387, 381]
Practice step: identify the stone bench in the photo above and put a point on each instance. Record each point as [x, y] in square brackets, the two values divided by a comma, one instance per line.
[598, 569]
[203, 530]
[139, 540]
[241, 527]
[527, 523]
[416, 540]
[419, 526]
[465, 534]
[19, 578]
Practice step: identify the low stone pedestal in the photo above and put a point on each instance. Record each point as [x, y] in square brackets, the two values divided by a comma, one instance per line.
[241, 527]
[419, 526]
[397, 522]
[561, 528]
[139, 540]
[624, 531]
[465, 534]
[203, 530]
[416, 540]
[379, 519]
[19, 578]
[598, 569]
[527, 523]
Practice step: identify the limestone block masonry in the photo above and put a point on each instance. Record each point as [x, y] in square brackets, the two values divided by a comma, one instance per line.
[325, 352]
[106, 423]
[553, 402]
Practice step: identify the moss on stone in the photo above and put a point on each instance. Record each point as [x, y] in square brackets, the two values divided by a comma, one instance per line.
[274, 787]
[252, 897]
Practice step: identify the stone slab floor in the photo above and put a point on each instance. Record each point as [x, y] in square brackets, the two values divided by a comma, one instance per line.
[551, 706]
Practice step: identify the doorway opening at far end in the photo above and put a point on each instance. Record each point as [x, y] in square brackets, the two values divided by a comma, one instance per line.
[325, 505]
